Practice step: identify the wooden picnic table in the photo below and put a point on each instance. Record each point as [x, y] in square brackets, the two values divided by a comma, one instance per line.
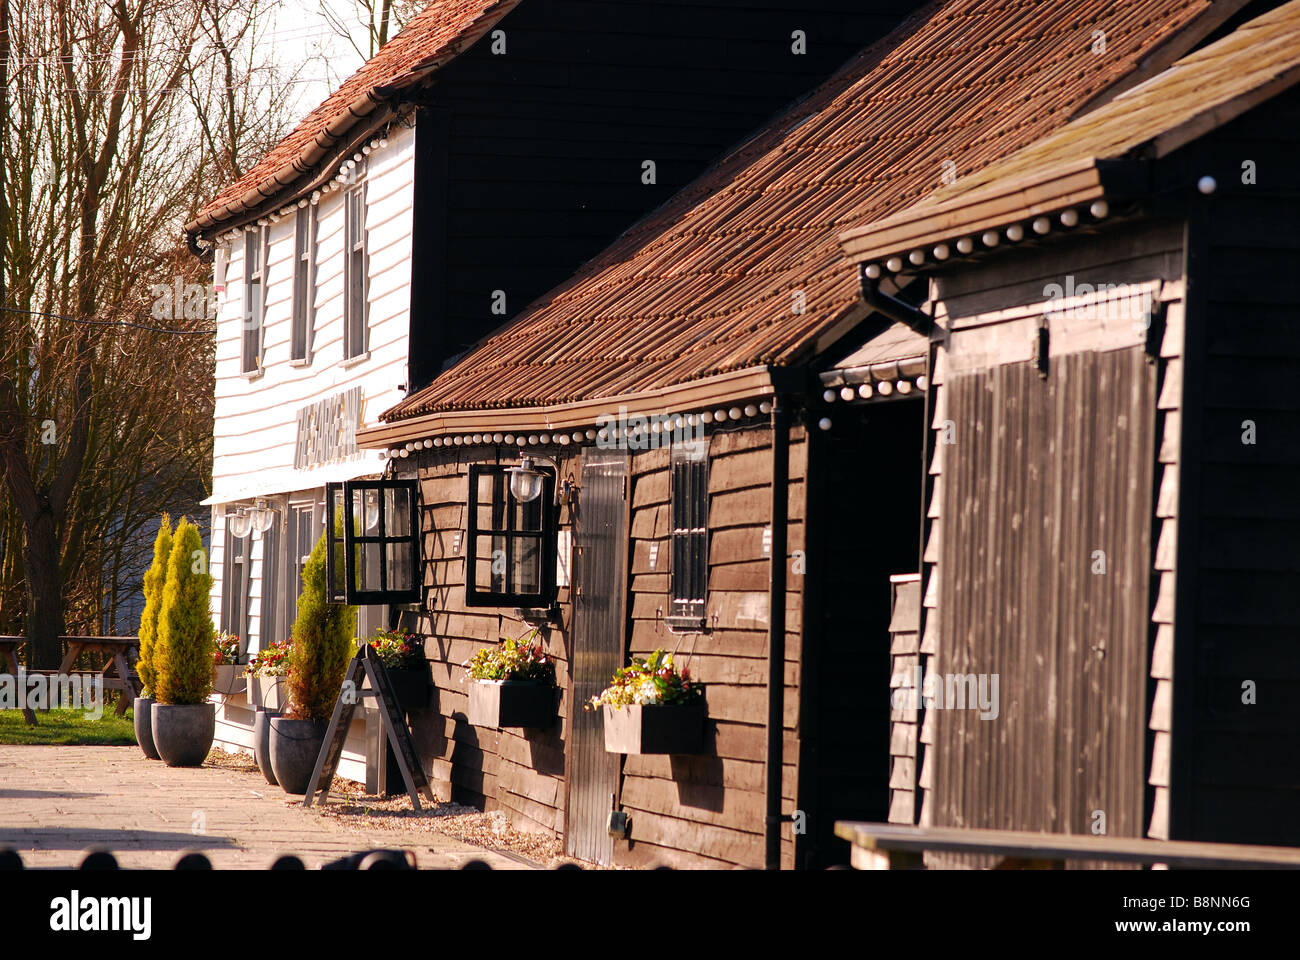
[9, 655]
[120, 653]
[889, 846]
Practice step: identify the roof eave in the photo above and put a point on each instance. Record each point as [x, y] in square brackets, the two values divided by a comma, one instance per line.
[913, 236]
[750, 383]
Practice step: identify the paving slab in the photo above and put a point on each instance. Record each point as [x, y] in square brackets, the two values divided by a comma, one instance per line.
[57, 801]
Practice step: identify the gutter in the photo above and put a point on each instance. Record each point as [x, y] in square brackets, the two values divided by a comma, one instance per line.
[776, 629]
[308, 157]
[892, 307]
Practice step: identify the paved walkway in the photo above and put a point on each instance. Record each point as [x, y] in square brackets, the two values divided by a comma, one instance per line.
[55, 802]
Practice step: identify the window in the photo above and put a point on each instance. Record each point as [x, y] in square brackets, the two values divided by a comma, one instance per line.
[254, 297]
[510, 554]
[354, 272]
[269, 627]
[690, 534]
[374, 544]
[303, 286]
[304, 530]
[235, 578]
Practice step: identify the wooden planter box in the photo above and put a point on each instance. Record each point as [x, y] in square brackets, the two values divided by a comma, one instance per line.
[656, 729]
[411, 687]
[511, 703]
[228, 679]
[267, 692]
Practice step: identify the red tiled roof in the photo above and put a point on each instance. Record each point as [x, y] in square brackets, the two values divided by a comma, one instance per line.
[707, 283]
[432, 38]
[1196, 95]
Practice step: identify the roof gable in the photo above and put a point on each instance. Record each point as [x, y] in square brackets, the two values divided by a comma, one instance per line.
[432, 38]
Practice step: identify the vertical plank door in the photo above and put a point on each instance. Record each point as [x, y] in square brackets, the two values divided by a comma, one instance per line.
[598, 647]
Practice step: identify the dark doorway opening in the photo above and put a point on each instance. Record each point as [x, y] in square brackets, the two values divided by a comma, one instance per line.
[865, 507]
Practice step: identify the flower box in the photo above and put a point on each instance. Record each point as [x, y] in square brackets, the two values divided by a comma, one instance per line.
[267, 692]
[637, 729]
[410, 686]
[228, 679]
[511, 703]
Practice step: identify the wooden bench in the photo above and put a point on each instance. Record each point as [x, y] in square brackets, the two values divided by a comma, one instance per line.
[885, 846]
[120, 654]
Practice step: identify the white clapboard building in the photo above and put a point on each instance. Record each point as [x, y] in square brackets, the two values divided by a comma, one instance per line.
[312, 330]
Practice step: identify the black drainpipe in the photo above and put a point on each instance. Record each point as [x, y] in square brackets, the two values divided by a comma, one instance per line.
[776, 628]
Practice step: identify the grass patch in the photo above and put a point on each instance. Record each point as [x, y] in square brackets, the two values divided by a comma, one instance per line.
[67, 728]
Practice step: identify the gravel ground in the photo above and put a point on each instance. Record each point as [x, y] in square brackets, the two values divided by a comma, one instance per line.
[350, 807]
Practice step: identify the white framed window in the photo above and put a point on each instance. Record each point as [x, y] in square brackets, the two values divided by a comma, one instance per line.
[304, 284]
[235, 583]
[355, 271]
[254, 298]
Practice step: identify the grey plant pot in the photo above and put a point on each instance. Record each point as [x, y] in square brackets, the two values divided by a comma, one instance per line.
[142, 711]
[295, 745]
[183, 732]
[262, 743]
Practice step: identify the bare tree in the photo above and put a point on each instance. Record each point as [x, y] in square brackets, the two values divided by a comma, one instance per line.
[119, 120]
[378, 20]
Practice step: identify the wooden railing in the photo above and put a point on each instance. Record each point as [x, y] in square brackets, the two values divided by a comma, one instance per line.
[885, 846]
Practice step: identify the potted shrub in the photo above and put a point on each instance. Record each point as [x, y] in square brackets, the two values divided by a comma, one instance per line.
[265, 675]
[184, 722]
[318, 659]
[512, 684]
[651, 707]
[408, 671]
[155, 579]
[227, 671]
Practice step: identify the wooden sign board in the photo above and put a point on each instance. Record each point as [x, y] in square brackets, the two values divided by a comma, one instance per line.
[367, 664]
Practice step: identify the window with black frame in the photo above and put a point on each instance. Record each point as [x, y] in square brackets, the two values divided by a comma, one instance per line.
[510, 553]
[690, 534]
[373, 552]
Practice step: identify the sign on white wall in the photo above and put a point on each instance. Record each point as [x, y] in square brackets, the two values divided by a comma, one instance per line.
[327, 430]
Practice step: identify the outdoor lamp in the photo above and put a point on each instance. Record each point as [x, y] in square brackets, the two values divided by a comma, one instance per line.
[263, 517]
[525, 481]
[239, 522]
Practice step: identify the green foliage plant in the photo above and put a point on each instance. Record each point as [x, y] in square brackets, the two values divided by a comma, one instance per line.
[323, 638]
[185, 647]
[155, 579]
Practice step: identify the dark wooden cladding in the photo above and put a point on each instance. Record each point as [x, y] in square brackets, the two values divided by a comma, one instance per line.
[1042, 474]
[519, 771]
[1235, 766]
[708, 811]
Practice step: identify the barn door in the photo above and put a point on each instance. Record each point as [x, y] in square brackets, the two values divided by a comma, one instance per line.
[598, 594]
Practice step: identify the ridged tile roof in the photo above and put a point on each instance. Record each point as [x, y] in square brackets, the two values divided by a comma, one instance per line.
[709, 282]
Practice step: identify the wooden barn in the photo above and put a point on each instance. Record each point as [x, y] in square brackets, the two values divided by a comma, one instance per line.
[1113, 459]
[736, 452]
[474, 162]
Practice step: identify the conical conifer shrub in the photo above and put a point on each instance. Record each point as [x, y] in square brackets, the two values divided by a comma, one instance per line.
[155, 579]
[185, 647]
[322, 644]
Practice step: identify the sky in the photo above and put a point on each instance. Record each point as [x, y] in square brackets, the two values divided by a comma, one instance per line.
[306, 47]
